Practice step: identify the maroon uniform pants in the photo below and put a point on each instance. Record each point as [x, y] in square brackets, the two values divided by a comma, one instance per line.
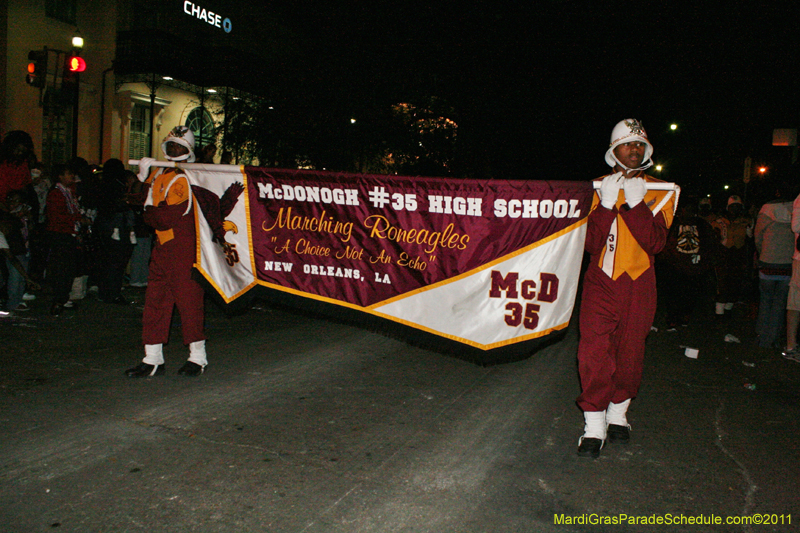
[170, 285]
[615, 319]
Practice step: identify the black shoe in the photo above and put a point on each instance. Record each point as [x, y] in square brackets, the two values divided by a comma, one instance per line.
[590, 447]
[119, 300]
[143, 370]
[619, 434]
[56, 309]
[191, 369]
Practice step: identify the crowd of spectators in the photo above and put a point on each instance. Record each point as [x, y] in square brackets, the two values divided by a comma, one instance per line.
[736, 254]
[68, 230]
[72, 229]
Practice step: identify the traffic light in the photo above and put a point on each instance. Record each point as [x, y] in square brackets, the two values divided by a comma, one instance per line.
[75, 64]
[37, 68]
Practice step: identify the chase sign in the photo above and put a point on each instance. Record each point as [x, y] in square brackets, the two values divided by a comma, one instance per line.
[201, 13]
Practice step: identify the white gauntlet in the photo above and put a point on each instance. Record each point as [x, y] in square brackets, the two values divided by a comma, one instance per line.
[609, 190]
[635, 189]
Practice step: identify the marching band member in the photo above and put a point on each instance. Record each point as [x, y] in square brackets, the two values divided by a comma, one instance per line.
[169, 209]
[627, 227]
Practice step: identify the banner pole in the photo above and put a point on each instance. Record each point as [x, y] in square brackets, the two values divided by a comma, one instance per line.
[651, 186]
[192, 166]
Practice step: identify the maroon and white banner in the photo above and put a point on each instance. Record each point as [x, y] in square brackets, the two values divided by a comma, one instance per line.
[484, 263]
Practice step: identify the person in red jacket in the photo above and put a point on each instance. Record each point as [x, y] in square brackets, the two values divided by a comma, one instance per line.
[16, 159]
[168, 209]
[627, 227]
[64, 219]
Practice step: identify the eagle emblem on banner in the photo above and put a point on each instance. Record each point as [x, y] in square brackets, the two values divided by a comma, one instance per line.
[216, 210]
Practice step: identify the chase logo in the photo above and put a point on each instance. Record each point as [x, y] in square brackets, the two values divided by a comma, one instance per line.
[201, 13]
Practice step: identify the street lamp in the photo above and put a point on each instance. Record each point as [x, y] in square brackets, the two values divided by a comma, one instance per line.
[77, 40]
[659, 168]
[673, 127]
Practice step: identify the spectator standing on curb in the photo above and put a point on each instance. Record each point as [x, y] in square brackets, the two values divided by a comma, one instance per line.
[690, 253]
[113, 226]
[14, 250]
[38, 238]
[774, 242]
[88, 260]
[140, 259]
[792, 351]
[627, 226]
[734, 227]
[13, 264]
[63, 226]
[15, 226]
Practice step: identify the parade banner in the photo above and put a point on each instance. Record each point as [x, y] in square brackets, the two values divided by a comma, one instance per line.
[483, 263]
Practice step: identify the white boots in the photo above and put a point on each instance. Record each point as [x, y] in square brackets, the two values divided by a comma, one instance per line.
[618, 428]
[594, 434]
[197, 360]
[611, 424]
[153, 354]
[197, 353]
[151, 365]
[153, 362]
[616, 413]
[594, 425]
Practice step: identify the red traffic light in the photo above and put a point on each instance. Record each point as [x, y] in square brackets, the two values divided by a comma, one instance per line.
[76, 64]
[37, 68]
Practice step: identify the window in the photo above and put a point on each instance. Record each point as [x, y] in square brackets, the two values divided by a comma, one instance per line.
[63, 10]
[56, 132]
[139, 140]
[202, 125]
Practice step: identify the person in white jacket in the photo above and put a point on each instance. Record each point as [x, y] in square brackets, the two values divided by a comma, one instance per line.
[774, 242]
[792, 352]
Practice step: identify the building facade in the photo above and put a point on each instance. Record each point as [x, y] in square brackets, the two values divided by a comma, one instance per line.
[149, 67]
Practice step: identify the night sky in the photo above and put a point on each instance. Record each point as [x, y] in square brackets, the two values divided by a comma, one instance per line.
[537, 87]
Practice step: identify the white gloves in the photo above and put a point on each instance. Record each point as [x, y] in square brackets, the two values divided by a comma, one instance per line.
[609, 190]
[144, 168]
[635, 189]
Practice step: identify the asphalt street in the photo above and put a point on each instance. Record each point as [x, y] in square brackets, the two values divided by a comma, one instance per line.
[304, 425]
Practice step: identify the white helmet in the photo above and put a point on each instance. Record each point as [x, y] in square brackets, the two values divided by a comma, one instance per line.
[180, 135]
[627, 131]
